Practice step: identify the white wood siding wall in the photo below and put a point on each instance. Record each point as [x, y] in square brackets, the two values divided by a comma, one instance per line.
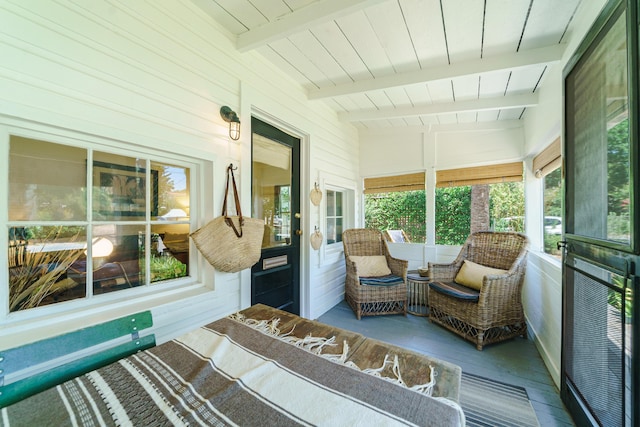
[154, 75]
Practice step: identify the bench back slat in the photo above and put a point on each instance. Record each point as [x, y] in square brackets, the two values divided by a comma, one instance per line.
[23, 357]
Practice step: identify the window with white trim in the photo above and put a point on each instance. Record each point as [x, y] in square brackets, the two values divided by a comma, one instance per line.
[84, 222]
[547, 166]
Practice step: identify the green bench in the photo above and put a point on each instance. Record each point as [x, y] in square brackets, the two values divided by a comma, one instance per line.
[44, 353]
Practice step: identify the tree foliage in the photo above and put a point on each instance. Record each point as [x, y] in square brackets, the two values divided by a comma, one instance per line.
[404, 210]
[453, 215]
[407, 211]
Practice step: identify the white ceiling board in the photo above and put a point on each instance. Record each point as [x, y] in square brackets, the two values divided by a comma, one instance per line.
[441, 91]
[334, 41]
[345, 104]
[413, 121]
[487, 116]
[493, 84]
[279, 61]
[467, 117]
[418, 94]
[398, 97]
[424, 24]
[504, 21]
[405, 59]
[224, 18]
[361, 101]
[298, 4]
[364, 40]
[313, 50]
[272, 9]
[465, 88]
[244, 12]
[547, 22]
[525, 79]
[389, 26]
[464, 30]
[446, 119]
[299, 60]
[511, 113]
[298, 20]
[430, 120]
[380, 99]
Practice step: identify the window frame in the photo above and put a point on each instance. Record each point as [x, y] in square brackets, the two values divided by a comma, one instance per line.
[334, 217]
[198, 275]
[333, 253]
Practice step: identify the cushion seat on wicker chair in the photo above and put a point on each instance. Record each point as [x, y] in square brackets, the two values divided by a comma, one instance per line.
[455, 290]
[479, 295]
[376, 282]
[389, 280]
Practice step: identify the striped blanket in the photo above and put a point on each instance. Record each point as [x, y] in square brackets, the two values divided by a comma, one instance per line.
[228, 373]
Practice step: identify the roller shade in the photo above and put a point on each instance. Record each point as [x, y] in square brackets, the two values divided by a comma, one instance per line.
[548, 160]
[492, 174]
[388, 184]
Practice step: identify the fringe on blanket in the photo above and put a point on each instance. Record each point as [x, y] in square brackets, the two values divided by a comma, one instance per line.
[316, 345]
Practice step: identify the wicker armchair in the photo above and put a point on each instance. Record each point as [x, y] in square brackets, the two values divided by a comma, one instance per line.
[493, 313]
[372, 296]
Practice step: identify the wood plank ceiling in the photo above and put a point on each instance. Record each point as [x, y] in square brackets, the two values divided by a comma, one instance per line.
[384, 63]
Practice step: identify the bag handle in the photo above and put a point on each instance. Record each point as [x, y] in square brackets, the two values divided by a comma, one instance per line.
[236, 197]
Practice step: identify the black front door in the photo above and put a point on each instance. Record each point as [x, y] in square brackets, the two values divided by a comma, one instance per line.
[275, 279]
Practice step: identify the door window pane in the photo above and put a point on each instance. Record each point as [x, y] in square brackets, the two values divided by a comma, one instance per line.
[272, 190]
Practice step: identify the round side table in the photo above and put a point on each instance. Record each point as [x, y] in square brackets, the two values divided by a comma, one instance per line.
[418, 293]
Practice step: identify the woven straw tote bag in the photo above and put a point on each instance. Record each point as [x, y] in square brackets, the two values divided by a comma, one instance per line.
[230, 243]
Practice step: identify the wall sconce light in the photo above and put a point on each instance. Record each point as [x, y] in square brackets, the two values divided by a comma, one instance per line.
[228, 115]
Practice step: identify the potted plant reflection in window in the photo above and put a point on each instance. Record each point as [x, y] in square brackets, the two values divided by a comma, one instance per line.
[40, 271]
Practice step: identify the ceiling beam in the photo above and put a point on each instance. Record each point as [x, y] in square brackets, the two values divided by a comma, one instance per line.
[449, 127]
[499, 103]
[299, 20]
[540, 56]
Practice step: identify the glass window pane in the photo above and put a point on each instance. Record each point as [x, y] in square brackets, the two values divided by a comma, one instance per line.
[338, 204]
[172, 198]
[169, 251]
[331, 203]
[553, 212]
[39, 190]
[120, 188]
[400, 210]
[45, 265]
[118, 257]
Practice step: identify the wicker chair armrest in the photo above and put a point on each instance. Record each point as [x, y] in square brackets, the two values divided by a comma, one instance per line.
[501, 286]
[351, 266]
[443, 272]
[397, 266]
